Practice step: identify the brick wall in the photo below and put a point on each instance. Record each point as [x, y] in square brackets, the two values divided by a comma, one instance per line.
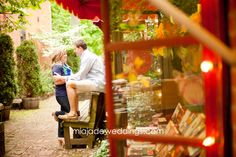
[39, 21]
[232, 34]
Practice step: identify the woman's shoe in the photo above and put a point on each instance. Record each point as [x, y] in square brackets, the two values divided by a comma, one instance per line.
[68, 117]
[61, 142]
[55, 116]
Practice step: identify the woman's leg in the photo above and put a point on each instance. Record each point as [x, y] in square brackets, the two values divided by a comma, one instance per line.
[63, 101]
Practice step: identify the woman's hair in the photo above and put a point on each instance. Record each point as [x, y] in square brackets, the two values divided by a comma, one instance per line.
[81, 43]
[57, 55]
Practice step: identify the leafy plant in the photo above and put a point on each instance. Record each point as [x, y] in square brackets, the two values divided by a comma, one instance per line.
[188, 6]
[72, 60]
[60, 18]
[13, 14]
[7, 70]
[103, 150]
[46, 81]
[132, 36]
[92, 35]
[115, 14]
[28, 70]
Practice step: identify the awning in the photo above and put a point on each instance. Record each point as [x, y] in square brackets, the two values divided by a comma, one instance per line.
[83, 9]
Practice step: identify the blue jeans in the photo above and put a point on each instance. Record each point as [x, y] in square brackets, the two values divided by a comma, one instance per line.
[65, 107]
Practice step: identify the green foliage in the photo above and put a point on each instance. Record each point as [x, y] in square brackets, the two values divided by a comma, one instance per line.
[187, 6]
[139, 27]
[176, 60]
[7, 70]
[46, 81]
[115, 14]
[132, 36]
[60, 18]
[13, 13]
[72, 60]
[103, 150]
[92, 35]
[28, 70]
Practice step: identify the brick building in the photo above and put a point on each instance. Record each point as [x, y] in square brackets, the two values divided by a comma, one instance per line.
[39, 21]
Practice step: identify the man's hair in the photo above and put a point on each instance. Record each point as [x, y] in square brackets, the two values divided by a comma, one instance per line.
[81, 43]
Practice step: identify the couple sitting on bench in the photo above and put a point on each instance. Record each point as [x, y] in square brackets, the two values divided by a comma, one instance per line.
[90, 77]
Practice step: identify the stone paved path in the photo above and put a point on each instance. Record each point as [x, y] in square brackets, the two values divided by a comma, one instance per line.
[33, 133]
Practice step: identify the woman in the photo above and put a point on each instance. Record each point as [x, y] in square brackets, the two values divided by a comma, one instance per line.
[59, 67]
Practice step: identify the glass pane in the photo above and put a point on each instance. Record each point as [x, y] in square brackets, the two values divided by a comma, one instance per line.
[158, 89]
[135, 20]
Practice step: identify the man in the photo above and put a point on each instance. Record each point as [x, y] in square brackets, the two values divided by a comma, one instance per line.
[89, 78]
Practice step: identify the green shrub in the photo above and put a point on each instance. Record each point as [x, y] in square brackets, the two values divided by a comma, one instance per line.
[46, 81]
[103, 150]
[28, 70]
[86, 30]
[92, 35]
[72, 60]
[7, 70]
[60, 18]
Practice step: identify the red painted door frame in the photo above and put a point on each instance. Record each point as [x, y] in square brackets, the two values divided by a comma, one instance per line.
[213, 20]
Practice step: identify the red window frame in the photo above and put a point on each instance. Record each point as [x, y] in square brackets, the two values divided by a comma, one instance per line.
[212, 80]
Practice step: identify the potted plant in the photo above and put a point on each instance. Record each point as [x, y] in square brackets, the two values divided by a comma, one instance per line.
[28, 74]
[7, 73]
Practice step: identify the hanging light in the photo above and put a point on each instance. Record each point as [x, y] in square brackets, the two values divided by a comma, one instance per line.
[208, 141]
[206, 66]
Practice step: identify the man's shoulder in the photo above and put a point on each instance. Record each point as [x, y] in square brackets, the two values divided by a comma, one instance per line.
[90, 54]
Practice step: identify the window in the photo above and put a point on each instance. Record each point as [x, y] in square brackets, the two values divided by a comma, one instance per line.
[22, 35]
[159, 93]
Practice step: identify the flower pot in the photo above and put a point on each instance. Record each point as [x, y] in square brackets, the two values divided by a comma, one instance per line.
[2, 139]
[1, 111]
[31, 103]
[6, 113]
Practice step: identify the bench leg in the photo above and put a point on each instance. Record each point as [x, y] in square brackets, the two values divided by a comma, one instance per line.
[90, 141]
[67, 138]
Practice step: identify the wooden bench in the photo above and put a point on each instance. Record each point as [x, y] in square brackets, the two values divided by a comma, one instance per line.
[92, 116]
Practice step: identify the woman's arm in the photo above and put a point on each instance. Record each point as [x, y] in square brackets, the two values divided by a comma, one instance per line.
[58, 80]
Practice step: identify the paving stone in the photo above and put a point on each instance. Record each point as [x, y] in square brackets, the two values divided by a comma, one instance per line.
[33, 133]
[46, 153]
[18, 151]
